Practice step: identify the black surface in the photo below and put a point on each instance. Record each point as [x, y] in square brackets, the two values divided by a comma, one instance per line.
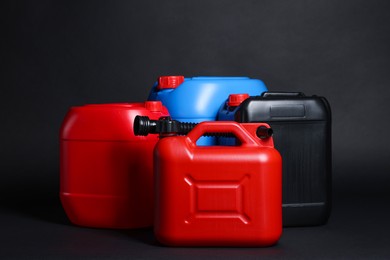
[34, 225]
[56, 54]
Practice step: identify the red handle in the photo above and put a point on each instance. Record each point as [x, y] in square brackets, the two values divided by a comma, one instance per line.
[239, 131]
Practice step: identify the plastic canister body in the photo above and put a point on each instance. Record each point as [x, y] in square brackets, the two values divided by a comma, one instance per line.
[302, 135]
[106, 173]
[198, 99]
[218, 195]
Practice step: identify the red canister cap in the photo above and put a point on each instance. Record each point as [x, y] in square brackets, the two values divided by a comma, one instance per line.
[169, 81]
[154, 106]
[236, 99]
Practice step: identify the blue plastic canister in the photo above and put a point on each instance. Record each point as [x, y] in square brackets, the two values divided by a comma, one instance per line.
[198, 99]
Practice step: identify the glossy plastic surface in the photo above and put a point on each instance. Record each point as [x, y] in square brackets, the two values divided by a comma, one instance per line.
[106, 173]
[227, 112]
[218, 195]
[302, 135]
[198, 99]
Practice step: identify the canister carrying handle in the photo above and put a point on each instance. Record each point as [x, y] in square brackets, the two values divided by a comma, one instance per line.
[223, 127]
[282, 94]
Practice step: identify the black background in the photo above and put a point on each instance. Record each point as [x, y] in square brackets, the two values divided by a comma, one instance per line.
[58, 54]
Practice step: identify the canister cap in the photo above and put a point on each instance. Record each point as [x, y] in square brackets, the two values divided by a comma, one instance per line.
[154, 106]
[165, 82]
[236, 99]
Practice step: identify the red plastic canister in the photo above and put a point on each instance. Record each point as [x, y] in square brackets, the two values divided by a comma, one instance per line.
[106, 173]
[218, 195]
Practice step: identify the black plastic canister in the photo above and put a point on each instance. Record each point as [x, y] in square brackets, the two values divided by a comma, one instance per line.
[302, 135]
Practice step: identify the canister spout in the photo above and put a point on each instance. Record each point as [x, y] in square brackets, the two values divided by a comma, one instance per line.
[165, 126]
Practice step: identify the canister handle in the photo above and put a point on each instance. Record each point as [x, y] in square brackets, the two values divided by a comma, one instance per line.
[239, 130]
[282, 94]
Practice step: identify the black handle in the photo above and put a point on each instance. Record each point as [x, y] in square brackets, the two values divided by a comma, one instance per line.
[282, 94]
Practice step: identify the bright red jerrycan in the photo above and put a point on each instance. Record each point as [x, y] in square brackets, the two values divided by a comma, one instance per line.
[106, 173]
[218, 195]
